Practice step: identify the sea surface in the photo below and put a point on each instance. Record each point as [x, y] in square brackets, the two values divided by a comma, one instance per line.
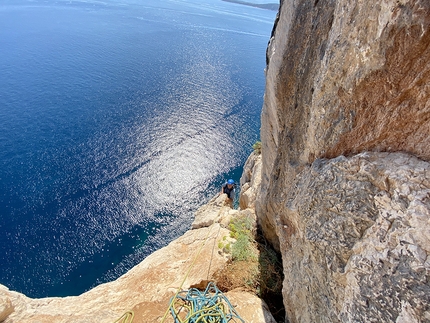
[118, 119]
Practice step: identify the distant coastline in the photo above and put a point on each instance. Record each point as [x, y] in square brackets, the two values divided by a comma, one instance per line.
[269, 6]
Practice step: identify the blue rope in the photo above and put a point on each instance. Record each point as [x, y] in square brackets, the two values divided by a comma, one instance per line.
[210, 306]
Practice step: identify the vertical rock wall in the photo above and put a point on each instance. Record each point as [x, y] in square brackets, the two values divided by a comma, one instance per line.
[346, 77]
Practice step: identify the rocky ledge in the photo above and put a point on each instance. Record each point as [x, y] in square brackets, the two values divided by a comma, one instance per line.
[147, 288]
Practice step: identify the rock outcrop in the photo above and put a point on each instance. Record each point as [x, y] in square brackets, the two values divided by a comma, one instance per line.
[6, 307]
[250, 181]
[147, 288]
[345, 148]
[356, 240]
[215, 211]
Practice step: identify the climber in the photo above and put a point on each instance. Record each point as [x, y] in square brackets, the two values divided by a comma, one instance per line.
[228, 188]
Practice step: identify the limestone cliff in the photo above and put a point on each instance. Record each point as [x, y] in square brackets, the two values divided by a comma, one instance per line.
[345, 187]
[147, 288]
[342, 188]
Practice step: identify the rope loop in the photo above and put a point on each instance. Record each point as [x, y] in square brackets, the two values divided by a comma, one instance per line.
[127, 317]
[210, 306]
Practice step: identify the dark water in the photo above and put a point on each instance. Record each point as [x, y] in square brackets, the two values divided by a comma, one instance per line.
[118, 119]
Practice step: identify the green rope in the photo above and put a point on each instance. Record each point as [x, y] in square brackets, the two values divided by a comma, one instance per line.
[188, 272]
[210, 306]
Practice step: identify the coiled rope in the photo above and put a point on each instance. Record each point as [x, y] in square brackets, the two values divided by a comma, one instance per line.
[210, 306]
[188, 272]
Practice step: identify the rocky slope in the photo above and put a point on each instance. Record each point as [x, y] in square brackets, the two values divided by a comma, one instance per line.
[345, 143]
[147, 288]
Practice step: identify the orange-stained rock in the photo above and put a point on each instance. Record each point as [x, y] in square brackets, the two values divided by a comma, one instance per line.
[343, 77]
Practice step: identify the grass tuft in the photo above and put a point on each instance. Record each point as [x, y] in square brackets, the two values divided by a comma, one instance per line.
[257, 147]
[254, 265]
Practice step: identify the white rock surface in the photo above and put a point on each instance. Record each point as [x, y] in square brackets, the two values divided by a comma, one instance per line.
[6, 307]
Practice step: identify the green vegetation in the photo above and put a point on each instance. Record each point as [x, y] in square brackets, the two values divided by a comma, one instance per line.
[224, 246]
[243, 249]
[254, 265]
[257, 147]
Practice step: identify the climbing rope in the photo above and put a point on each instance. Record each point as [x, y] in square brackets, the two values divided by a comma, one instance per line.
[127, 317]
[194, 306]
[217, 310]
[210, 306]
[188, 272]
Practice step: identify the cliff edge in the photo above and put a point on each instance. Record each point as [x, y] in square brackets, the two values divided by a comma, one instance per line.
[345, 188]
[342, 188]
[187, 262]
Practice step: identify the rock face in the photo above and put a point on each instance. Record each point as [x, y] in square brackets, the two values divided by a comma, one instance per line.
[345, 77]
[6, 307]
[147, 288]
[349, 78]
[250, 181]
[215, 211]
[356, 240]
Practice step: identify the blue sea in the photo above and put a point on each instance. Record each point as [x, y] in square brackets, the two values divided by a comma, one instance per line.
[118, 119]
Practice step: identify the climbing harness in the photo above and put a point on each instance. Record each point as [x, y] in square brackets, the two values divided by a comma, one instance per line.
[127, 317]
[210, 306]
[228, 191]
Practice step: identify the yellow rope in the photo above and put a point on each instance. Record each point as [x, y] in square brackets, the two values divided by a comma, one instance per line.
[126, 317]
